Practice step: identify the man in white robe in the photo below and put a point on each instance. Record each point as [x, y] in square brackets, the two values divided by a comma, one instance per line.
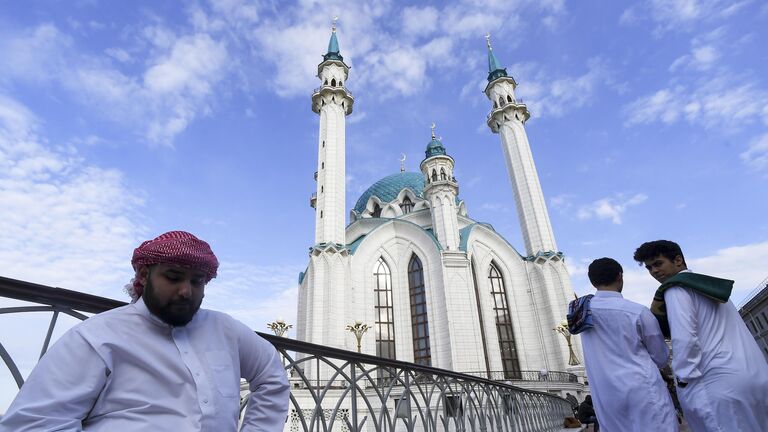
[722, 378]
[158, 364]
[623, 353]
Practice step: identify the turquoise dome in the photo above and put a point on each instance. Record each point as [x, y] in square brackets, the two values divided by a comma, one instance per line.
[389, 187]
[434, 148]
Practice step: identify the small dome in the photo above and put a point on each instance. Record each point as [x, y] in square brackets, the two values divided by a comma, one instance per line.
[389, 187]
[434, 148]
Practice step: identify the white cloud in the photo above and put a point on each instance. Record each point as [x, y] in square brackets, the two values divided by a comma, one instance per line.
[419, 21]
[176, 87]
[756, 156]
[681, 15]
[723, 101]
[548, 95]
[256, 295]
[610, 208]
[63, 222]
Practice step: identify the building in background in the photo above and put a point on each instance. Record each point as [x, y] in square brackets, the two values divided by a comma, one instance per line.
[754, 312]
[437, 287]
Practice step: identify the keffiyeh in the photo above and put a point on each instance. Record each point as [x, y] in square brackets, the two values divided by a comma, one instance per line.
[174, 247]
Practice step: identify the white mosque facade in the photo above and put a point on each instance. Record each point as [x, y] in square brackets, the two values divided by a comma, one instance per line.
[436, 286]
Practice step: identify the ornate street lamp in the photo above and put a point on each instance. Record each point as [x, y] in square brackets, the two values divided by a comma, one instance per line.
[279, 327]
[563, 330]
[358, 329]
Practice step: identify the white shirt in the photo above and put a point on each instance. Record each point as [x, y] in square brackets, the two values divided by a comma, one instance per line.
[713, 353]
[622, 354]
[126, 370]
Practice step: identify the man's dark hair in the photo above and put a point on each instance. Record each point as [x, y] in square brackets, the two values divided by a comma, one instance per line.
[604, 271]
[652, 249]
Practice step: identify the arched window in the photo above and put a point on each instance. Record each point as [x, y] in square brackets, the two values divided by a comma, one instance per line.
[501, 101]
[407, 205]
[419, 323]
[509, 360]
[509, 98]
[442, 175]
[325, 82]
[333, 82]
[376, 211]
[434, 175]
[385, 321]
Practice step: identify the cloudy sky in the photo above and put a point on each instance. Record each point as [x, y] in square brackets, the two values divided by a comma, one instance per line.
[122, 120]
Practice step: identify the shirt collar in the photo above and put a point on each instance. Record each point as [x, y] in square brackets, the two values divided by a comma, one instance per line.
[607, 294]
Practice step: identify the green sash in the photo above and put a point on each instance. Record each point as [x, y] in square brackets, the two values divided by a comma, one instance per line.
[711, 287]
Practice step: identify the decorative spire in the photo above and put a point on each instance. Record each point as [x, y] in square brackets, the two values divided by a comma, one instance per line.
[333, 44]
[402, 162]
[495, 71]
[433, 130]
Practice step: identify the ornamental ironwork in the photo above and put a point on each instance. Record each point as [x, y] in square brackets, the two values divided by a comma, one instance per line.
[339, 390]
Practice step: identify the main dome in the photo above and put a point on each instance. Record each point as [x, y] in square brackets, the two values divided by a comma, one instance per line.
[389, 187]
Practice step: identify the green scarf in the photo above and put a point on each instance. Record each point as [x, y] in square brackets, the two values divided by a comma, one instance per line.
[711, 287]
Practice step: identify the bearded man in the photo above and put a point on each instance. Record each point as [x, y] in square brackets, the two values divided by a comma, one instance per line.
[159, 363]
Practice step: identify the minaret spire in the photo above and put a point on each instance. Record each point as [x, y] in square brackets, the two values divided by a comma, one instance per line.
[507, 118]
[333, 102]
[333, 44]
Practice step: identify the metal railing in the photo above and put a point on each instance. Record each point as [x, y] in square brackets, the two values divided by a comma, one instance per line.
[338, 390]
[527, 375]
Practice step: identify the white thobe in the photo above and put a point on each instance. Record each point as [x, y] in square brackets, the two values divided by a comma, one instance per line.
[724, 374]
[623, 353]
[126, 370]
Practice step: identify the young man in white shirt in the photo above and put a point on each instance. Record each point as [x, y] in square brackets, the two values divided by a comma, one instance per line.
[160, 363]
[722, 377]
[623, 353]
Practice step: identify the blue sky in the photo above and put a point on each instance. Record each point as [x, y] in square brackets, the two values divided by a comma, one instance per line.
[122, 120]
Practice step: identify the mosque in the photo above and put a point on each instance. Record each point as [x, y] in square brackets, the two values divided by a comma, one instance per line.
[437, 287]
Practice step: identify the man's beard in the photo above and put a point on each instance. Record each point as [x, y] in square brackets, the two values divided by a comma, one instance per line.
[177, 313]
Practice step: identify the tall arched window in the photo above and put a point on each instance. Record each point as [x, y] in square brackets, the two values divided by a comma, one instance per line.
[442, 175]
[434, 175]
[407, 205]
[385, 321]
[419, 323]
[509, 360]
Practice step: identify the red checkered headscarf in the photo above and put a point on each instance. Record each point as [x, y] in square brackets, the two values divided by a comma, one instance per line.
[174, 247]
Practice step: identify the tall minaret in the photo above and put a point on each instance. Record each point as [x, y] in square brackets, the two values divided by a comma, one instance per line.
[441, 189]
[507, 118]
[333, 102]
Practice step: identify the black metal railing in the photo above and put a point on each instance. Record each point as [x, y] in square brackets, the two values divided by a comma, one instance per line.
[338, 390]
[527, 375]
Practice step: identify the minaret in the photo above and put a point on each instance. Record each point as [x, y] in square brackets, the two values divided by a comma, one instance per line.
[507, 118]
[441, 190]
[333, 102]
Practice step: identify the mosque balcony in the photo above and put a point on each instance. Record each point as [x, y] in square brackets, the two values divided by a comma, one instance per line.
[517, 105]
[364, 385]
[313, 200]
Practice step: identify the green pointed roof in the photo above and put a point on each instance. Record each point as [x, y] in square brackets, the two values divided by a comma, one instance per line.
[495, 70]
[333, 48]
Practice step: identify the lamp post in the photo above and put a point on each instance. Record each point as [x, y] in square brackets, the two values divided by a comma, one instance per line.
[358, 329]
[563, 330]
[279, 327]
